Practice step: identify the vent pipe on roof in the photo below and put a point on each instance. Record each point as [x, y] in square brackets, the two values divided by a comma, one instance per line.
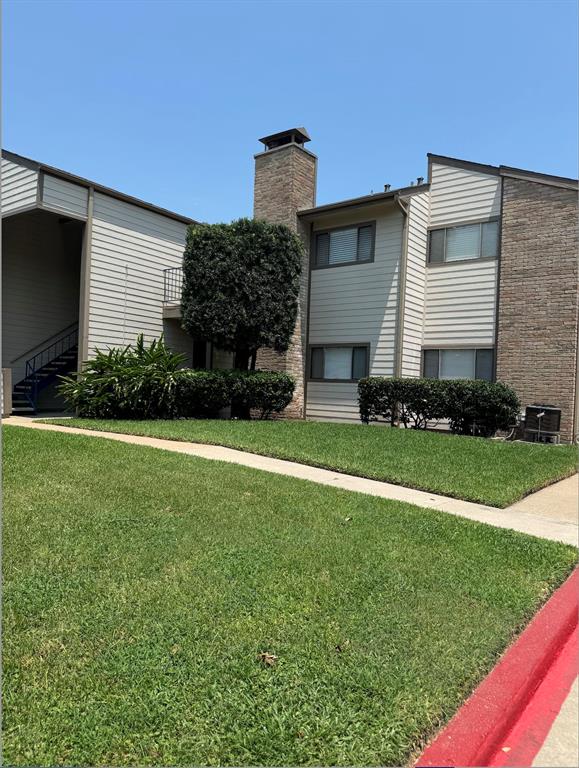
[387, 187]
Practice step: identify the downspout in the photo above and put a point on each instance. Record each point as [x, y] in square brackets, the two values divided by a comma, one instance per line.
[401, 290]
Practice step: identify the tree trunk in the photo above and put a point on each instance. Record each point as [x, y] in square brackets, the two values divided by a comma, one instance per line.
[241, 359]
[241, 363]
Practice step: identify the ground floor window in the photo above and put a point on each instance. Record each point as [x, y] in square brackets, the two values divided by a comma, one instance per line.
[459, 363]
[338, 362]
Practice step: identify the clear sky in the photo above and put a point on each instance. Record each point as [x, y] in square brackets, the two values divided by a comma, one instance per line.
[166, 100]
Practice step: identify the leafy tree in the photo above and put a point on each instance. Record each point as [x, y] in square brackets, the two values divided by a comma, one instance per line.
[240, 286]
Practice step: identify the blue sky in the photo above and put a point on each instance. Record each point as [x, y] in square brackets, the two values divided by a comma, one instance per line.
[166, 100]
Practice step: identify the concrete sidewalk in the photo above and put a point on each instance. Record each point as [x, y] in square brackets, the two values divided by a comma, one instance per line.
[549, 514]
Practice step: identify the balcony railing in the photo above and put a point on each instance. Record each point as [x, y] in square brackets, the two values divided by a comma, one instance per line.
[173, 285]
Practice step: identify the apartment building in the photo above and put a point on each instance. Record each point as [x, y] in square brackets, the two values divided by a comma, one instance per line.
[471, 272]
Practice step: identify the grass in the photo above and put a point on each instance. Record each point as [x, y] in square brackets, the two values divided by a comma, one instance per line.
[474, 469]
[140, 587]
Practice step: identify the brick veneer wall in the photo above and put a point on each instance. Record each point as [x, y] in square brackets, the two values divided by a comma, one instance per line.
[285, 182]
[538, 295]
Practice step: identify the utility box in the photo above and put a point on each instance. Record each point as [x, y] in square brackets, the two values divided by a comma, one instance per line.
[542, 423]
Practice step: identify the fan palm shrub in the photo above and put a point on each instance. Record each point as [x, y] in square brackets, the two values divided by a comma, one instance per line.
[134, 382]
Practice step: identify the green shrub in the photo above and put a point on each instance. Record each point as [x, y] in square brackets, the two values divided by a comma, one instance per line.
[147, 382]
[266, 392]
[134, 382]
[203, 394]
[241, 284]
[471, 407]
[481, 407]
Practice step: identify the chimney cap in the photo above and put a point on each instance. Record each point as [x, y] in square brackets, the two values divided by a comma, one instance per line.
[291, 136]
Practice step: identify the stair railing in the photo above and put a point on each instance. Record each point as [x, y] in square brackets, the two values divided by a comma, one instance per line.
[43, 358]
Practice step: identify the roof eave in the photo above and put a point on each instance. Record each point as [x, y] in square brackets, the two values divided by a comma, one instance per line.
[81, 181]
[361, 202]
[502, 170]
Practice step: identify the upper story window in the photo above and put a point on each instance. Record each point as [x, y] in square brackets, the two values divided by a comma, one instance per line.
[345, 245]
[464, 242]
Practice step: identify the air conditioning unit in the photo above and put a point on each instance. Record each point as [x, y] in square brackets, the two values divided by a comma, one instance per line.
[542, 423]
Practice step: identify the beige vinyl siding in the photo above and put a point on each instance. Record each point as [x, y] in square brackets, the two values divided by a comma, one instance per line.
[461, 303]
[356, 304]
[413, 321]
[458, 194]
[40, 280]
[19, 186]
[61, 195]
[332, 401]
[130, 248]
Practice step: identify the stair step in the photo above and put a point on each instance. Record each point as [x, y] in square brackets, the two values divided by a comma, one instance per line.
[23, 391]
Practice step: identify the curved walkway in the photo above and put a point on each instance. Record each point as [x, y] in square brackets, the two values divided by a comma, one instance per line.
[548, 519]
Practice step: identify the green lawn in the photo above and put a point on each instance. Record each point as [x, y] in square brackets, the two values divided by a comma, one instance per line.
[140, 587]
[468, 468]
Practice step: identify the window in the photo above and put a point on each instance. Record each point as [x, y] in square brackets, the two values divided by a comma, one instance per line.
[469, 241]
[347, 245]
[458, 364]
[339, 363]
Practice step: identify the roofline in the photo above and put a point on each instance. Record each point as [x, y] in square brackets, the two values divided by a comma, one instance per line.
[81, 181]
[540, 178]
[502, 170]
[359, 202]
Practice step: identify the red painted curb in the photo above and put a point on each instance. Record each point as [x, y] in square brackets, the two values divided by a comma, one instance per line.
[477, 730]
[528, 735]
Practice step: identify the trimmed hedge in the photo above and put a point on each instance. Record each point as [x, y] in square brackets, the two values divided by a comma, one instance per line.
[266, 392]
[205, 393]
[202, 394]
[471, 407]
[146, 382]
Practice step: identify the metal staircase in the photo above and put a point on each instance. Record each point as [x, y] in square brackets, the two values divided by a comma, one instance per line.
[42, 369]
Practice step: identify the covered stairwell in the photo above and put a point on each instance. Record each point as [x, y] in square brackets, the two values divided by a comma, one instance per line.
[42, 369]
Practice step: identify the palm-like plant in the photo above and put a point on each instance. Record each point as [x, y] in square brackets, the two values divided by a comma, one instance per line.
[137, 381]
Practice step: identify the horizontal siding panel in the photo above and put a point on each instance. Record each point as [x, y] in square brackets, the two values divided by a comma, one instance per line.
[459, 194]
[461, 304]
[130, 248]
[356, 304]
[19, 186]
[140, 221]
[332, 401]
[64, 196]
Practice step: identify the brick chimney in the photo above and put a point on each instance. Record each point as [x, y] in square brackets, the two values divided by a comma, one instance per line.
[285, 182]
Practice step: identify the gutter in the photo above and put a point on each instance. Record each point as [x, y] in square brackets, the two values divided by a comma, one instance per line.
[401, 289]
[360, 202]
